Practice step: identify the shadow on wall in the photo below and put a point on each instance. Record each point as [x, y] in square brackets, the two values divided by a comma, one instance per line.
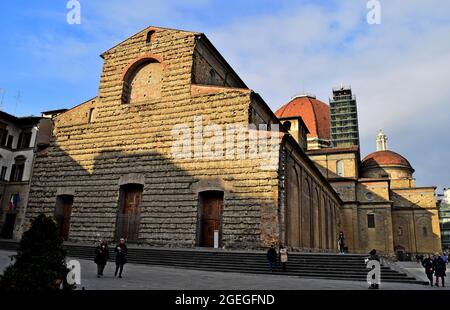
[146, 198]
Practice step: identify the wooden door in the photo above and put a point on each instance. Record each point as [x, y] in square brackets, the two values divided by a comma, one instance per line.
[63, 213]
[8, 226]
[131, 214]
[212, 204]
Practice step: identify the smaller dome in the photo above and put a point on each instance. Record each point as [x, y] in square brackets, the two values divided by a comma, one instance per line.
[385, 158]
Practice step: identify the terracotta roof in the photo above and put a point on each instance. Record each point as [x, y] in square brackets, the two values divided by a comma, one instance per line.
[385, 158]
[314, 113]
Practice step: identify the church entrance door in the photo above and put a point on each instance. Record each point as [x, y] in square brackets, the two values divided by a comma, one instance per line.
[211, 208]
[63, 213]
[130, 212]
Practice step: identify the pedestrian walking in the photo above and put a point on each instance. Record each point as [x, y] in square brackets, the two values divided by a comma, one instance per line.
[341, 243]
[272, 257]
[439, 269]
[121, 257]
[427, 263]
[283, 257]
[445, 257]
[101, 257]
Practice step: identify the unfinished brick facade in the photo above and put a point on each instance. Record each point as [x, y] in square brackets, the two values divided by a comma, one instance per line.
[115, 151]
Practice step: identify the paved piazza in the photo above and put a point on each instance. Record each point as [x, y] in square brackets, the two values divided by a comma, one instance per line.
[145, 277]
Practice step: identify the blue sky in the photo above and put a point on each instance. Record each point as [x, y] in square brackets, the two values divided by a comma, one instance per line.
[399, 70]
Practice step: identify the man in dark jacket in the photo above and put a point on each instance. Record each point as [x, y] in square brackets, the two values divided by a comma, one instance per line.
[272, 257]
[427, 263]
[101, 257]
[121, 257]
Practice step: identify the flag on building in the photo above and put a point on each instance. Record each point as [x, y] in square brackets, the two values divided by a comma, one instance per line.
[14, 202]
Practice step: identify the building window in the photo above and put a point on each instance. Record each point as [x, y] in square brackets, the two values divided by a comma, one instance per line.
[369, 196]
[17, 169]
[424, 231]
[340, 168]
[24, 140]
[150, 37]
[10, 141]
[3, 173]
[3, 135]
[91, 115]
[371, 220]
[212, 76]
[287, 125]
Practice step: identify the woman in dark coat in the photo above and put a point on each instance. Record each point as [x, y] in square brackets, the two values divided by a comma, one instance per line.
[439, 269]
[427, 263]
[121, 257]
[341, 243]
[101, 257]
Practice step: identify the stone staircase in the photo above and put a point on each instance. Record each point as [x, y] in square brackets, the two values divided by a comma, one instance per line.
[314, 265]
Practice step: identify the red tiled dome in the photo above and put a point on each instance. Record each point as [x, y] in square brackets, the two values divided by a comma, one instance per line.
[314, 113]
[385, 158]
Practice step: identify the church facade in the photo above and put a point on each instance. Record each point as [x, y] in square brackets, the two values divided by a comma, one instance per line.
[111, 170]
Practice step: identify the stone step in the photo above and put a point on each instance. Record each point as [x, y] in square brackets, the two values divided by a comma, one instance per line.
[313, 265]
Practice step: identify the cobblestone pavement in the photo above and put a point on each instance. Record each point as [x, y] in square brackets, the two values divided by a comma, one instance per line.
[164, 278]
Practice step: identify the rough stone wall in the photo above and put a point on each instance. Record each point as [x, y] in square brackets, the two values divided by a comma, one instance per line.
[416, 220]
[209, 69]
[327, 163]
[373, 191]
[379, 237]
[132, 143]
[203, 72]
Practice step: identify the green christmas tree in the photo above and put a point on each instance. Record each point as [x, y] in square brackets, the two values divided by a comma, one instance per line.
[40, 263]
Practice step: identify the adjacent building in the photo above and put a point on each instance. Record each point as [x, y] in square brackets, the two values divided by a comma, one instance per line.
[20, 139]
[444, 218]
